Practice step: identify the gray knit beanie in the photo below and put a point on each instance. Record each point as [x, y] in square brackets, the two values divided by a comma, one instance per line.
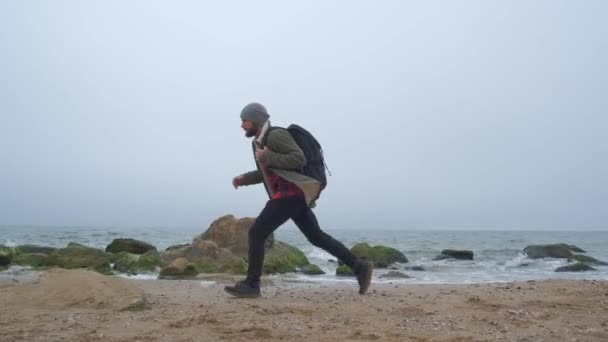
[255, 113]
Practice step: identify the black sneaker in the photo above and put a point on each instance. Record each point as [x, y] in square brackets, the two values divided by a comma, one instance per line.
[244, 289]
[364, 276]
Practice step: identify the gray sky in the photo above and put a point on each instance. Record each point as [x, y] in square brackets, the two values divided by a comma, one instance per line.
[432, 114]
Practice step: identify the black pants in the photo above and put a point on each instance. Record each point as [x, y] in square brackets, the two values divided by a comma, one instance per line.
[277, 212]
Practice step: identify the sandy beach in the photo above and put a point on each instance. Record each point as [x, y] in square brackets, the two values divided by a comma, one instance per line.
[85, 306]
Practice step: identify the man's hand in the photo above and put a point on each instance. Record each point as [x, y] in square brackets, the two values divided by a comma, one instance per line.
[260, 153]
[237, 181]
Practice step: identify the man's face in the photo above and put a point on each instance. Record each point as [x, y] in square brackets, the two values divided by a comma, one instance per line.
[250, 128]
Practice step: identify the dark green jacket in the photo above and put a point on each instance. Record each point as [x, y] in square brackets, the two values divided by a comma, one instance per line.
[283, 157]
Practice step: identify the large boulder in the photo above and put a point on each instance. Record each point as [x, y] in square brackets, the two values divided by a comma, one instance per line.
[578, 267]
[557, 250]
[380, 256]
[35, 260]
[455, 254]
[232, 234]
[224, 247]
[130, 246]
[76, 255]
[35, 249]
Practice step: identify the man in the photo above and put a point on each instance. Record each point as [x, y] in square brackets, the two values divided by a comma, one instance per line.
[292, 195]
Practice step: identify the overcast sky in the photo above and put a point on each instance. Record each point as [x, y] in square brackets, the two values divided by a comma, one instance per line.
[433, 114]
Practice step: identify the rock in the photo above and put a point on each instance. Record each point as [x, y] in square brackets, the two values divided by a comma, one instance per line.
[148, 262]
[588, 260]
[130, 246]
[6, 255]
[344, 271]
[136, 264]
[209, 258]
[179, 269]
[283, 258]
[80, 256]
[174, 247]
[174, 252]
[380, 256]
[394, 274]
[455, 254]
[415, 268]
[124, 262]
[5, 260]
[558, 250]
[232, 234]
[576, 249]
[36, 249]
[332, 261]
[224, 248]
[312, 269]
[578, 267]
[32, 259]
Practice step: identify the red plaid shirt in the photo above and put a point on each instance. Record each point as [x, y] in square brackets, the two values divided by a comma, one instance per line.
[282, 188]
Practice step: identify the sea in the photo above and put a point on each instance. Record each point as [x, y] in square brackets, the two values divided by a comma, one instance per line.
[498, 255]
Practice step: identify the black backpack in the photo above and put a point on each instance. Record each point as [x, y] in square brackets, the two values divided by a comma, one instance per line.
[315, 163]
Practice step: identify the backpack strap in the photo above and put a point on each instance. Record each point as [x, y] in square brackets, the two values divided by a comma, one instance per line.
[270, 129]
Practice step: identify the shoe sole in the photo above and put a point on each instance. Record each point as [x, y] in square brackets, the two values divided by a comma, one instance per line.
[367, 281]
[241, 295]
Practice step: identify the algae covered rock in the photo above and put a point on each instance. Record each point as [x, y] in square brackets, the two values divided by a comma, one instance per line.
[130, 246]
[148, 262]
[557, 250]
[35, 249]
[312, 269]
[283, 258]
[455, 254]
[32, 259]
[6, 255]
[344, 271]
[179, 269]
[79, 256]
[588, 260]
[578, 267]
[380, 256]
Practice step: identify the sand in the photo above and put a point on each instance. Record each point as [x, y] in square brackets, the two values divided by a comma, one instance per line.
[92, 308]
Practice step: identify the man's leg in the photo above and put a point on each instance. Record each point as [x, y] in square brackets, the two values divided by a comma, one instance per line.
[275, 213]
[308, 224]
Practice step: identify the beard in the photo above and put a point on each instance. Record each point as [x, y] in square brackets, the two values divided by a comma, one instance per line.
[251, 133]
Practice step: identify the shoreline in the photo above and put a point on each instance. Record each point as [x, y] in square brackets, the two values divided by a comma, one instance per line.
[194, 310]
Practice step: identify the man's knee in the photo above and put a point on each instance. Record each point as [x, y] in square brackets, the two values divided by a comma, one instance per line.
[318, 240]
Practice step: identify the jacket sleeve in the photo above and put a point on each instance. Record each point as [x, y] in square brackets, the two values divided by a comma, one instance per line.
[252, 177]
[284, 152]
